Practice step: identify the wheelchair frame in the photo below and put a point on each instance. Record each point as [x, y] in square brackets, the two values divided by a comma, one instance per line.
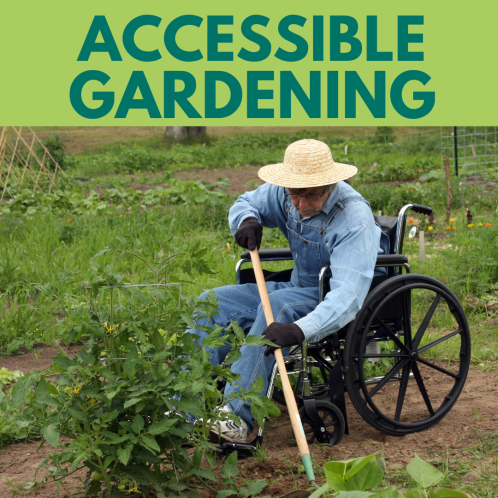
[325, 421]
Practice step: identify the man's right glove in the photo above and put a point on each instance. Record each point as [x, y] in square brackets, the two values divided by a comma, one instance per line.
[249, 234]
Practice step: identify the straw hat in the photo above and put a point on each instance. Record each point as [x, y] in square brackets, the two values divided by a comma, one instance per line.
[307, 163]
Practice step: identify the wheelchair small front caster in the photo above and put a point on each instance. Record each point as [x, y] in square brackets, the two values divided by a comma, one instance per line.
[323, 423]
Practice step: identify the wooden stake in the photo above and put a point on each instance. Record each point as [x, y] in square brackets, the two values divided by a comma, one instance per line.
[421, 238]
[10, 167]
[448, 190]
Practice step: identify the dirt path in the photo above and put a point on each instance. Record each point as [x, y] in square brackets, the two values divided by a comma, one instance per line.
[475, 413]
[243, 179]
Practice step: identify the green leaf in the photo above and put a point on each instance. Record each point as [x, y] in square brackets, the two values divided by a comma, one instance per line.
[391, 492]
[150, 443]
[355, 494]
[320, 491]
[137, 424]
[176, 486]
[230, 469]
[131, 402]
[120, 440]
[124, 454]
[50, 434]
[77, 414]
[358, 464]
[223, 493]
[232, 356]
[102, 252]
[162, 426]
[197, 458]
[369, 476]
[204, 474]
[334, 472]
[109, 416]
[416, 493]
[258, 385]
[64, 362]
[423, 473]
[255, 487]
[87, 358]
[257, 340]
[449, 493]
[188, 406]
[130, 364]
[178, 432]
[19, 392]
[42, 396]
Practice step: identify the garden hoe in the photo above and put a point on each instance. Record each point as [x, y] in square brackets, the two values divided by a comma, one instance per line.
[290, 400]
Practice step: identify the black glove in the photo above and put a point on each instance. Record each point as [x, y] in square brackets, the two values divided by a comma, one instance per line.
[283, 334]
[249, 234]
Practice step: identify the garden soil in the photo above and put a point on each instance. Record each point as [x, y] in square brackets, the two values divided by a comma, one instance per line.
[475, 413]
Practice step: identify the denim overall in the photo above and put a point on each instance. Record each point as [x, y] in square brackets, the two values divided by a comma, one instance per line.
[290, 301]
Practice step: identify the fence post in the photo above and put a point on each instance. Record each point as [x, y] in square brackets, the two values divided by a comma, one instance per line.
[455, 146]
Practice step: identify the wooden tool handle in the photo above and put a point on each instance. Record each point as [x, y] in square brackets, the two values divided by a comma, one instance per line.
[290, 400]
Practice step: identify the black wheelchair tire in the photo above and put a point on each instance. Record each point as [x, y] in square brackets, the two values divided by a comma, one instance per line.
[331, 416]
[408, 359]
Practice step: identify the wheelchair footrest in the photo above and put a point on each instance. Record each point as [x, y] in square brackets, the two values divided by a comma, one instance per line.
[243, 450]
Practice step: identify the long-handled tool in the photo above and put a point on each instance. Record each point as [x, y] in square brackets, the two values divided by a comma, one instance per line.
[290, 400]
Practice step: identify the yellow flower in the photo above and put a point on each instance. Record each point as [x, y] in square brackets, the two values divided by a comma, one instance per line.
[120, 215]
[470, 225]
[452, 219]
[431, 228]
[228, 246]
[479, 224]
[76, 390]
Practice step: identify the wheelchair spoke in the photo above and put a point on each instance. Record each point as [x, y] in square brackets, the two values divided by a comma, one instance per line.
[391, 334]
[384, 355]
[333, 424]
[439, 369]
[423, 326]
[407, 327]
[388, 377]
[402, 391]
[421, 386]
[439, 341]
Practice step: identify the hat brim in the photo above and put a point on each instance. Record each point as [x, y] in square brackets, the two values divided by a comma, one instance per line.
[278, 174]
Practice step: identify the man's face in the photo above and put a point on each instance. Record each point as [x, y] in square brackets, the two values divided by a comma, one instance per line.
[308, 207]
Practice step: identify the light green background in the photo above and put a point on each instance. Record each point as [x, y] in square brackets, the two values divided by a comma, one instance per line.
[40, 42]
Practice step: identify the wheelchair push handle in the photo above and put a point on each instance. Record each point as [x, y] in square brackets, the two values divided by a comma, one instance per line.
[420, 209]
[290, 400]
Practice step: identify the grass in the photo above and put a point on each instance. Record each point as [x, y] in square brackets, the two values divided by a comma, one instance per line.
[47, 238]
[473, 469]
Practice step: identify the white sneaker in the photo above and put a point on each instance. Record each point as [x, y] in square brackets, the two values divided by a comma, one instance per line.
[228, 430]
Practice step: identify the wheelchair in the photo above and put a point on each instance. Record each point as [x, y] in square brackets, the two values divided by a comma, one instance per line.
[403, 360]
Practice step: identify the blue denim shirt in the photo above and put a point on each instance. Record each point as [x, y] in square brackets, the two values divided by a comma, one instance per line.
[343, 234]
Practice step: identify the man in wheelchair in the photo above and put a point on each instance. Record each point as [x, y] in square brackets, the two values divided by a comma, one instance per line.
[326, 223]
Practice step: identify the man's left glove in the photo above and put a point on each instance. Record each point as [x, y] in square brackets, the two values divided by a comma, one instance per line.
[282, 334]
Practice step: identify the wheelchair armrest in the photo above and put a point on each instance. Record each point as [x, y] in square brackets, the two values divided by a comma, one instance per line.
[391, 260]
[272, 254]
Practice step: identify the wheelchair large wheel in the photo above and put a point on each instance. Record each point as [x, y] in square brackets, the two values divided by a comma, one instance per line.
[407, 354]
[329, 430]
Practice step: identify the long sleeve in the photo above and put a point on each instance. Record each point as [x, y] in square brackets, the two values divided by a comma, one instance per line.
[352, 262]
[266, 203]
